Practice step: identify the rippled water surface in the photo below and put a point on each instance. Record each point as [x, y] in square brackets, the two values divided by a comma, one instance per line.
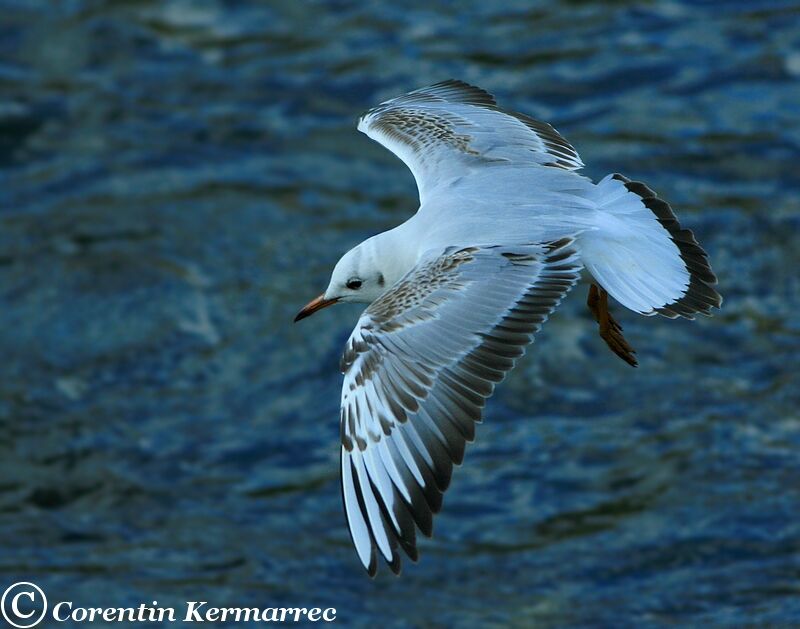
[177, 178]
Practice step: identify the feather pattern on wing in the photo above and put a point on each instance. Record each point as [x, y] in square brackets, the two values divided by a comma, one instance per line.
[418, 369]
[449, 129]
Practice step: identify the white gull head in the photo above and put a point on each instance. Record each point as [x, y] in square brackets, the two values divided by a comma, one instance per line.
[366, 271]
[369, 269]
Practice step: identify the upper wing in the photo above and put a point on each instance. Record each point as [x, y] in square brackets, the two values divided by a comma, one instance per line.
[443, 131]
[418, 368]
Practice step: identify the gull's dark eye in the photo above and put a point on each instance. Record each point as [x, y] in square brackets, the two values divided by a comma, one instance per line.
[353, 284]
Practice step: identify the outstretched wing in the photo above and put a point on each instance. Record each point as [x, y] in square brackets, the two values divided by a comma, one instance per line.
[418, 368]
[448, 129]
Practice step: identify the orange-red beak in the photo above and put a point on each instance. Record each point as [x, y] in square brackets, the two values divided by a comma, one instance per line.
[312, 306]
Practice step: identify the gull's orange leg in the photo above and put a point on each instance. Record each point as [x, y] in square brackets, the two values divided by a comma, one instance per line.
[610, 330]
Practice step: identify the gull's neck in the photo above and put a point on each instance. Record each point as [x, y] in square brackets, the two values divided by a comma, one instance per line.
[395, 252]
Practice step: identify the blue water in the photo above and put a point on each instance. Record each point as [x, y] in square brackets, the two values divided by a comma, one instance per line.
[178, 178]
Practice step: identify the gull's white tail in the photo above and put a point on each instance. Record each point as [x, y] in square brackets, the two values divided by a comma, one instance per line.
[644, 259]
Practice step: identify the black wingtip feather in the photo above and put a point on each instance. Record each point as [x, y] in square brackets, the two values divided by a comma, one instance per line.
[468, 93]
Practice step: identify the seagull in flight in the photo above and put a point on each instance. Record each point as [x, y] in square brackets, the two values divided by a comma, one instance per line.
[504, 229]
